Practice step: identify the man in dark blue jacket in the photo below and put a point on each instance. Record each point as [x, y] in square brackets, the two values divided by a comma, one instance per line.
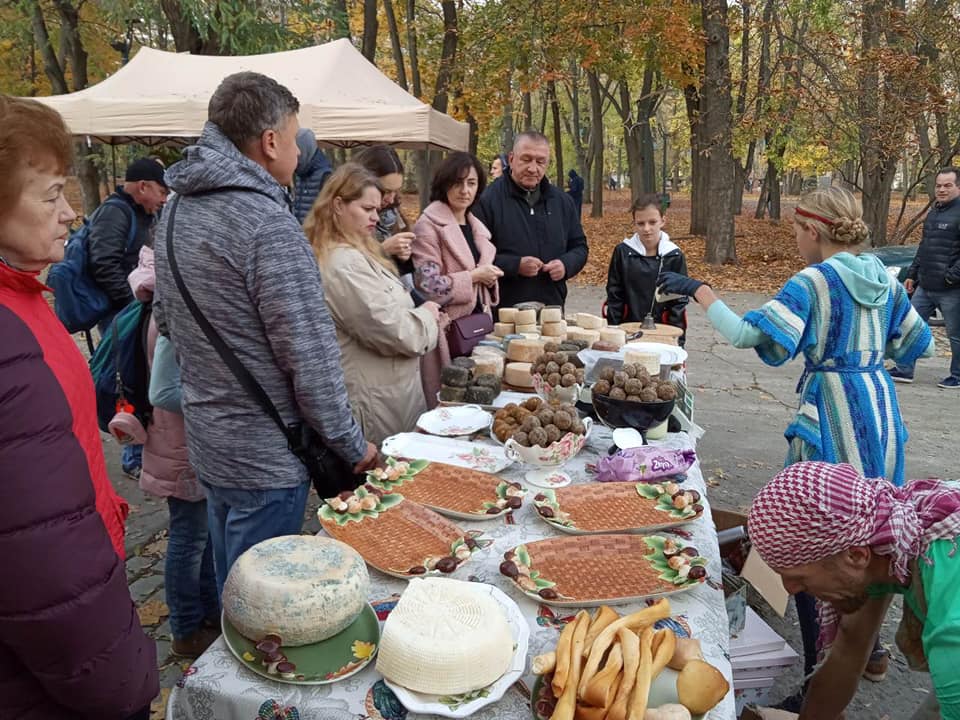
[575, 189]
[535, 227]
[934, 276]
[313, 169]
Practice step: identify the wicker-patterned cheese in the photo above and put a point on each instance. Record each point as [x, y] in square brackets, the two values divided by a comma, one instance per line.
[303, 588]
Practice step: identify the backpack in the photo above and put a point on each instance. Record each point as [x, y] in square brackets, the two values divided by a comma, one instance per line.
[121, 378]
[78, 300]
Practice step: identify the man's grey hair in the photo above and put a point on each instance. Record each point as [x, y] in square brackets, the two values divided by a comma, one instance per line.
[247, 103]
[532, 136]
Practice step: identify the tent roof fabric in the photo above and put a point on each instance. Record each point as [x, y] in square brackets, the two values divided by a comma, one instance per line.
[343, 98]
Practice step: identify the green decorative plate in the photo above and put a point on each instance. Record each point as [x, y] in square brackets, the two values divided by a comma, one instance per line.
[333, 659]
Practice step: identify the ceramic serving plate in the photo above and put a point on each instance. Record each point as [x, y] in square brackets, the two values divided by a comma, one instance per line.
[472, 455]
[397, 536]
[452, 491]
[335, 658]
[591, 570]
[617, 507]
[456, 420]
[464, 704]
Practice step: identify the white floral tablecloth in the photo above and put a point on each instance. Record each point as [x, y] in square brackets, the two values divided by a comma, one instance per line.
[218, 687]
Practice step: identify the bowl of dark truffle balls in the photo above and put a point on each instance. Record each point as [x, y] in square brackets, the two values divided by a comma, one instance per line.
[632, 398]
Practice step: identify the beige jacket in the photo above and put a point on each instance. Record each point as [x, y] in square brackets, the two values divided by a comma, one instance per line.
[382, 337]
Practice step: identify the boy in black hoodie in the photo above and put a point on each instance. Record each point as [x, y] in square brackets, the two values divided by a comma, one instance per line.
[637, 263]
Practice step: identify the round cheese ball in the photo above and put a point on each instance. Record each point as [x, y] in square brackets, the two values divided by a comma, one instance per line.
[303, 588]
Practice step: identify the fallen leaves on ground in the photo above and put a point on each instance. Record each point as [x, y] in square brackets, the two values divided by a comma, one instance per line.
[152, 612]
[156, 548]
[158, 708]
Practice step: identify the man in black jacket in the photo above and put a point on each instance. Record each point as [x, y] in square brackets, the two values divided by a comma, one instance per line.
[934, 276]
[535, 227]
[112, 255]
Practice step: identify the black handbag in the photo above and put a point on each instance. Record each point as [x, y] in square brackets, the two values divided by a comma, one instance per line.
[329, 473]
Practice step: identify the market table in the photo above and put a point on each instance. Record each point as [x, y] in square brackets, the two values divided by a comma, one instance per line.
[218, 687]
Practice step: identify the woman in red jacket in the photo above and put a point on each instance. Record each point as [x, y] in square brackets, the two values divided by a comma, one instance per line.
[71, 645]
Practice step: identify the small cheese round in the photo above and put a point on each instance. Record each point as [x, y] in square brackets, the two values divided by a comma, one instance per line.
[587, 336]
[614, 336]
[526, 329]
[518, 374]
[525, 317]
[551, 314]
[507, 315]
[589, 322]
[445, 637]
[554, 329]
[503, 328]
[523, 350]
[303, 588]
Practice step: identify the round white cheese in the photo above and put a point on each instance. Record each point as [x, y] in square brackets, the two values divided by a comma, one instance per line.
[589, 322]
[518, 374]
[526, 329]
[551, 314]
[303, 588]
[507, 315]
[613, 335]
[501, 329]
[524, 350]
[554, 329]
[525, 317]
[445, 637]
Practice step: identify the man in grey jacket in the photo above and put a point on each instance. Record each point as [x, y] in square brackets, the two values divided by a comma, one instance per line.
[244, 259]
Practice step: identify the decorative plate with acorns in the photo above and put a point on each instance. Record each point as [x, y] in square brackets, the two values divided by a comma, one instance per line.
[618, 507]
[591, 570]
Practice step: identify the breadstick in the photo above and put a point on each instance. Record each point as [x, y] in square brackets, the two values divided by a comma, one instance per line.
[544, 664]
[641, 690]
[567, 704]
[600, 690]
[605, 615]
[563, 658]
[665, 648]
[630, 647]
[642, 618]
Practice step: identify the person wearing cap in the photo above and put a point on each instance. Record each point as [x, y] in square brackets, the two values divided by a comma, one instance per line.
[112, 256]
[853, 543]
[313, 169]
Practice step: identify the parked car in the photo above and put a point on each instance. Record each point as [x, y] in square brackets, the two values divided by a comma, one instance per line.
[897, 259]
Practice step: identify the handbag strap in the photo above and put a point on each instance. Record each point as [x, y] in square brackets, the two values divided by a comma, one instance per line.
[244, 376]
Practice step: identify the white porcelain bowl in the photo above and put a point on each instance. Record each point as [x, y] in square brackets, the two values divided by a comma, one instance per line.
[559, 393]
[555, 454]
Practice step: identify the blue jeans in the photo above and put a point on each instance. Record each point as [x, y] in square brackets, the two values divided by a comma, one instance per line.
[131, 457]
[239, 519]
[948, 301]
[189, 579]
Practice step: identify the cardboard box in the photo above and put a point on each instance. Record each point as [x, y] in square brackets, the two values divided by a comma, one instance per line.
[756, 638]
[751, 692]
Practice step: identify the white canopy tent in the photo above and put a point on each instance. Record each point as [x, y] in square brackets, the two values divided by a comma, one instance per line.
[344, 99]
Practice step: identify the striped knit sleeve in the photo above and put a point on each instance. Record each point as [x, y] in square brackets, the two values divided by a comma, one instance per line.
[784, 321]
[909, 337]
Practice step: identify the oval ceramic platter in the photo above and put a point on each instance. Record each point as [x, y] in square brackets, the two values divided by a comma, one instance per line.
[591, 570]
[396, 536]
[335, 658]
[618, 507]
[453, 491]
[464, 704]
[471, 455]
[454, 421]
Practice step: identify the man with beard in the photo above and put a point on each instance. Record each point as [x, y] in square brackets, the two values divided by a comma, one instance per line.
[852, 543]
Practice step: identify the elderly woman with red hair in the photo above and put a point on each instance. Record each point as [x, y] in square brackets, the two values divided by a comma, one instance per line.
[71, 644]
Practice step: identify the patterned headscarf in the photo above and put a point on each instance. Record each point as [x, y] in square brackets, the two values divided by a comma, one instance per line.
[812, 510]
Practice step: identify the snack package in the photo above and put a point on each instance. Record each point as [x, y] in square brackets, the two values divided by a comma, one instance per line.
[644, 464]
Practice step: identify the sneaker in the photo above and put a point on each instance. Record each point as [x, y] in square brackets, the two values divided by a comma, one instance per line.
[876, 669]
[195, 644]
[949, 383]
[132, 472]
[900, 376]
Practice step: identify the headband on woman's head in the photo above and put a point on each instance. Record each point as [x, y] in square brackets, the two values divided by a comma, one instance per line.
[806, 213]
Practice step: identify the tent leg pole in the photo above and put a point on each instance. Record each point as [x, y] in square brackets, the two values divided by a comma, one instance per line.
[113, 155]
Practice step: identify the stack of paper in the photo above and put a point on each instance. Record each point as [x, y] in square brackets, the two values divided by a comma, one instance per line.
[758, 656]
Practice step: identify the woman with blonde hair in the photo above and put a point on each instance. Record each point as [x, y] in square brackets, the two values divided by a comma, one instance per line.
[844, 313]
[382, 335]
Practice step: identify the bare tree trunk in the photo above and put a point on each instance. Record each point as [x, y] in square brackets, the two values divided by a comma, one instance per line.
[395, 43]
[51, 64]
[371, 27]
[631, 139]
[576, 131]
[698, 162]
[506, 120]
[186, 36]
[647, 105]
[740, 171]
[596, 142]
[448, 56]
[718, 123]
[527, 110]
[557, 130]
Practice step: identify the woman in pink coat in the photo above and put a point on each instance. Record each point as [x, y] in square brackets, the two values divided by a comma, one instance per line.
[453, 256]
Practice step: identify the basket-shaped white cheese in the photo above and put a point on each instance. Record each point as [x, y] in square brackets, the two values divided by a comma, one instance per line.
[445, 637]
[303, 588]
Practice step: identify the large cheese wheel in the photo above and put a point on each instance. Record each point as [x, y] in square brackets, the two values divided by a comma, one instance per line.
[525, 317]
[507, 315]
[488, 365]
[588, 336]
[553, 329]
[614, 336]
[524, 350]
[551, 314]
[445, 637]
[525, 329]
[304, 588]
[589, 322]
[503, 328]
[518, 374]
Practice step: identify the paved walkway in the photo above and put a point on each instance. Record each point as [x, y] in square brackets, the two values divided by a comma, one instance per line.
[744, 406]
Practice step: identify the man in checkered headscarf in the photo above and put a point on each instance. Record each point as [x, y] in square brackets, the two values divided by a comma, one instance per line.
[851, 542]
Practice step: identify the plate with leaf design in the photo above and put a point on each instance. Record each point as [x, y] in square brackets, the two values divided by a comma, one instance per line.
[397, 536]
[591, 570]
[617, 507]
[449, 490]
[464, 704]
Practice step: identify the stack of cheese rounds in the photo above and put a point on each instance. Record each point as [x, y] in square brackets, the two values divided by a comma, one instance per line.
[445, 637]
[302, 588]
